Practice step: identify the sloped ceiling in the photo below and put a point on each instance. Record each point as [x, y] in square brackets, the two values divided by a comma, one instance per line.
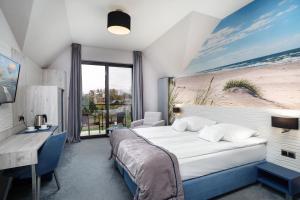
[17, 17]
[43, 28]
[48, 31]
[173, 51]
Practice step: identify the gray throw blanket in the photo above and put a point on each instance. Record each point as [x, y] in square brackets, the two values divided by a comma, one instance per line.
[152, 168]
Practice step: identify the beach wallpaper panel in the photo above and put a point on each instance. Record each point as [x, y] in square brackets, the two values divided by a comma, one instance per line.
[251, 59]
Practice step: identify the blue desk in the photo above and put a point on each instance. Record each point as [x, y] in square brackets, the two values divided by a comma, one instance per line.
[279, 178]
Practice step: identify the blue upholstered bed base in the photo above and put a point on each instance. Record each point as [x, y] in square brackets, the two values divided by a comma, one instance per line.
[212, 185]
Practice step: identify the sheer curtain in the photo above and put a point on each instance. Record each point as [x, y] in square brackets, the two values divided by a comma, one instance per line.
[137, 86]
[74, 108]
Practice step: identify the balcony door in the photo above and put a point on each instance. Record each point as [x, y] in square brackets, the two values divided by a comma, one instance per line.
[106, 97]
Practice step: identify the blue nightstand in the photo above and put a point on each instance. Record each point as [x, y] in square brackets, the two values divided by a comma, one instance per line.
[279, 178]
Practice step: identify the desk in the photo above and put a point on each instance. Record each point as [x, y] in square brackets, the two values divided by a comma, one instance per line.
[22, 150]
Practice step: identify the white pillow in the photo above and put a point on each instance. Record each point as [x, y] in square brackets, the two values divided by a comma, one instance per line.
[179, 125]
[236, 133]
[195, 123]
[211, 133]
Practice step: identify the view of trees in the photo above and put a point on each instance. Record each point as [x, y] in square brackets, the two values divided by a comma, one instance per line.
[95, 100]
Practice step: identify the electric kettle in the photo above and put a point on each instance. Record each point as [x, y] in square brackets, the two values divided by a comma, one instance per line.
[40, 120]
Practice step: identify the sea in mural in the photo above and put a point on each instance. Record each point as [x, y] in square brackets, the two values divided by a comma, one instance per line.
[251, 59]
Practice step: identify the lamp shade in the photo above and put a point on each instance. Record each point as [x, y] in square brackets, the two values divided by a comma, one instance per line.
[176, 110]
[118, 22]
[285, 122]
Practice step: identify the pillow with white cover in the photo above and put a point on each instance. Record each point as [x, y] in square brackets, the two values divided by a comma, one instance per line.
[212, 133]
[179, 125]
[236, 133]
[195, 123]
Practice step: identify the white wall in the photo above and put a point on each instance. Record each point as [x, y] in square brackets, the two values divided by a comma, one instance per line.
[30, 74]
[6, 42]
[106, 55]
[150, 80]
[63, 61]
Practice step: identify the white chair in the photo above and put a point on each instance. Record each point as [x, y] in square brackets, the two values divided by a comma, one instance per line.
[150, 119]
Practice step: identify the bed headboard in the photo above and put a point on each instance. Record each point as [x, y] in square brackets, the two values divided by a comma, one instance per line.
[259, 119]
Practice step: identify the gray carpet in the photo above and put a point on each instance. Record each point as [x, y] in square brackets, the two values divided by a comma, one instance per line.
[86, 173]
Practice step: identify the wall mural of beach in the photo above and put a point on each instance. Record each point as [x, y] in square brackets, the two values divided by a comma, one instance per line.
[251, 59]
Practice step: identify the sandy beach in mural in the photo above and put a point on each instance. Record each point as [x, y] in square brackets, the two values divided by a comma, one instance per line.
[251, 59]
[275, 86]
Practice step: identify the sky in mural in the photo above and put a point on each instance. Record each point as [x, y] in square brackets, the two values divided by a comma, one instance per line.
[267, 27]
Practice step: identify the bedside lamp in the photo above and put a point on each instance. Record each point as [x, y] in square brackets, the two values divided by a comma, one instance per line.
[285, 123]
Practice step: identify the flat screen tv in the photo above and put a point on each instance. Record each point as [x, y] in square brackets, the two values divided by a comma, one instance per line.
[9, 76]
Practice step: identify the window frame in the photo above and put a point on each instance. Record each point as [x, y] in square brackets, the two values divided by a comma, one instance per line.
[107, 65]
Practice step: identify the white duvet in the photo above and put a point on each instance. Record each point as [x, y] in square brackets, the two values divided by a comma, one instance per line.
[188, 144]
[198, 157]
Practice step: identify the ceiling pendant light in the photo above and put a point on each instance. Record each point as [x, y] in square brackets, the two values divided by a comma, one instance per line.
[118, 22]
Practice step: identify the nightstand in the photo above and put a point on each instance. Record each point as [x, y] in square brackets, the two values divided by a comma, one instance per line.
[279, 178]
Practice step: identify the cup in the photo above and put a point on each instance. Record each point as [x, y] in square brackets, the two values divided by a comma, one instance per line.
[30, 128]
[44, 126]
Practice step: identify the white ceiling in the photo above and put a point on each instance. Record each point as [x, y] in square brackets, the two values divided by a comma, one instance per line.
[43, 28]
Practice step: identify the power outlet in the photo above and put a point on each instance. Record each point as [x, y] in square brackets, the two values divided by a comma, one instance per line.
[292, 155]
[288, 154]
[284, 153]
[21, 118]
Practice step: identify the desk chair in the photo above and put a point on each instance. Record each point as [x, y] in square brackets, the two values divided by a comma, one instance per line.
[48, 158]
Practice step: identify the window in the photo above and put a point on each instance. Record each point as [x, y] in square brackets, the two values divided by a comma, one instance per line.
[106, 97]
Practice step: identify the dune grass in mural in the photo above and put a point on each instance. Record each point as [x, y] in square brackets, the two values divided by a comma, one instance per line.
[270, 86]
[251, 59]
[172, 100]
[203, 97]
[233, 85]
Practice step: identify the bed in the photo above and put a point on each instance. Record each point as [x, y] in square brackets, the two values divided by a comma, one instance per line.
[207, 169]
[193, 152]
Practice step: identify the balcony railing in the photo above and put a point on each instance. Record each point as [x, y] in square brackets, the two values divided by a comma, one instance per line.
[94, 123]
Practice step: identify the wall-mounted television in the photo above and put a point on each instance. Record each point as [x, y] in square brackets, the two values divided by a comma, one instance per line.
[9, 77]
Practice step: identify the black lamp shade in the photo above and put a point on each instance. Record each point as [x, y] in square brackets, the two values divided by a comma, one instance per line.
[118, 22]
[285, 123]
[176, 110]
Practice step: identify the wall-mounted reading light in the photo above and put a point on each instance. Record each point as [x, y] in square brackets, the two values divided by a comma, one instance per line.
[285, 123]
[176, 110]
